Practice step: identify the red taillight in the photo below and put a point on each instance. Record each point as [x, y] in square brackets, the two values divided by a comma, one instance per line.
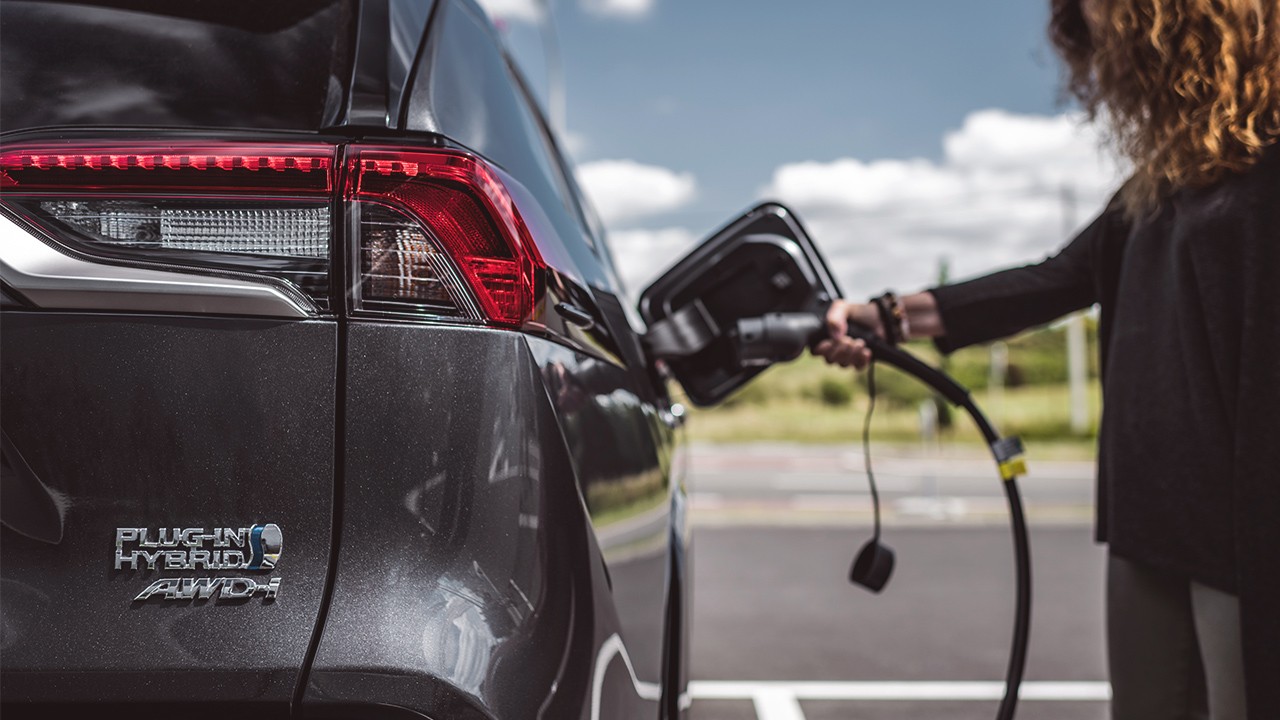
[466, 208]
[437, 233]
[170, 167]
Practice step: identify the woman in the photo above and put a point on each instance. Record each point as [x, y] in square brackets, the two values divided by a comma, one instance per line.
[1185, 263]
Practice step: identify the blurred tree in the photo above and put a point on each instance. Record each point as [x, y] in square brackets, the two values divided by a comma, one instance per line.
[835, 392]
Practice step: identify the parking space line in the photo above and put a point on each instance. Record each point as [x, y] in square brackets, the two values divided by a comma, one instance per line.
[776, 703]
[774, 694]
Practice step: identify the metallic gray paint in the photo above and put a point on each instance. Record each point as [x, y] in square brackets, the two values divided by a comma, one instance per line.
[619, 454]
[163, 421]
[470, 582]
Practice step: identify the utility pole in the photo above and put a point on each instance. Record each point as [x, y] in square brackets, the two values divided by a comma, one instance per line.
[998, 375]
[1077, 340]
[942, 406]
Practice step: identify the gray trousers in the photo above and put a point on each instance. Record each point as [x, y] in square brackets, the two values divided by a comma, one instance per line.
[1173, 647]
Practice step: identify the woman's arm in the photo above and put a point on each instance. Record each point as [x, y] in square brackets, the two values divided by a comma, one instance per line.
[989, 307]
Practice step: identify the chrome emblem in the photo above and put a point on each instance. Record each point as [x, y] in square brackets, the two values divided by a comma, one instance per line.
[255, 548]
[231, 588]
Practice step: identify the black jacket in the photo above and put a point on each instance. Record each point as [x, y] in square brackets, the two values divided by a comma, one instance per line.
[1189, 447]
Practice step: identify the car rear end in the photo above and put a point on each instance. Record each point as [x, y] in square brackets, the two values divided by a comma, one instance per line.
[274, 389]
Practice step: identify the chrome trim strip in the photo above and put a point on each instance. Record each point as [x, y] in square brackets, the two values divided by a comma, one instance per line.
[52, 279]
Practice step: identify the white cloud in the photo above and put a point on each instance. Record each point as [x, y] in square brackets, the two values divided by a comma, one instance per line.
[994, 200]
[625, 9]
[523, 10]
[641, 254]
[623, 190]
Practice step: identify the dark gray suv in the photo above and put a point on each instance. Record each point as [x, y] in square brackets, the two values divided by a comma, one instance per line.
[320, 396]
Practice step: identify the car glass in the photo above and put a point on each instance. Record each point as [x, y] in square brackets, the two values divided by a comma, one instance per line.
[269, 66]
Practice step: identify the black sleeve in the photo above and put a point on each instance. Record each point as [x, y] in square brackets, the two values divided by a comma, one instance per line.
[1010, 301]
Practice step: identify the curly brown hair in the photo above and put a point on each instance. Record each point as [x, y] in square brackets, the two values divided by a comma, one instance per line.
[1191, 88]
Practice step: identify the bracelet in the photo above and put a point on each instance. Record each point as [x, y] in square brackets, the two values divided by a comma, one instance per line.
[893, 318]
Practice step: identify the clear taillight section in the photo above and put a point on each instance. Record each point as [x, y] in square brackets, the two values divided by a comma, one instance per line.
[435, 232]
[299, 231]
[402, 269]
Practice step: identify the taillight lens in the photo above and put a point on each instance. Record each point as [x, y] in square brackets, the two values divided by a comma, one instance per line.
[403, 269]
[435, 232]
[172, 167]
[262, 210]
[462, 210]
[302, 230]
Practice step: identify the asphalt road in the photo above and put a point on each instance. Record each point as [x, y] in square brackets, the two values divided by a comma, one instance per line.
[781, 484]
[779, 633]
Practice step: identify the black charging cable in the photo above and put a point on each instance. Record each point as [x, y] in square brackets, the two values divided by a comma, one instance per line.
[866, 450]
[873, 564]
[778, 337]
[1007, 453]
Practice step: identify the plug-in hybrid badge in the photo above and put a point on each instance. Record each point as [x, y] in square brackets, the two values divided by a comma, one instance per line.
[253, 548]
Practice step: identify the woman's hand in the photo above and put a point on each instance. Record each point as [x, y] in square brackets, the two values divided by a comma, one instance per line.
[840, 349]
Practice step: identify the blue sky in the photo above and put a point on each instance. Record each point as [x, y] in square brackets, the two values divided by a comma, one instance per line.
[900, 129]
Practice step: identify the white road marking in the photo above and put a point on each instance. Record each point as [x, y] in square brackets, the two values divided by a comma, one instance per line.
[776, 704]
[938, 508]
[813, 501]
[706, 499]
[851, 485]
[781, 700]
[901, 690]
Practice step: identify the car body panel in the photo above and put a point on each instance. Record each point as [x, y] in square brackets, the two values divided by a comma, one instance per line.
[163, 422]
[468, 582]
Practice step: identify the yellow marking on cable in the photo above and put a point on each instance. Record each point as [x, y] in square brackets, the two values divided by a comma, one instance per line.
[1013, 467]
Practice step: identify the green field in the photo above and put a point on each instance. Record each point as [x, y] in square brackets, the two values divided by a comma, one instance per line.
[809, 402]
